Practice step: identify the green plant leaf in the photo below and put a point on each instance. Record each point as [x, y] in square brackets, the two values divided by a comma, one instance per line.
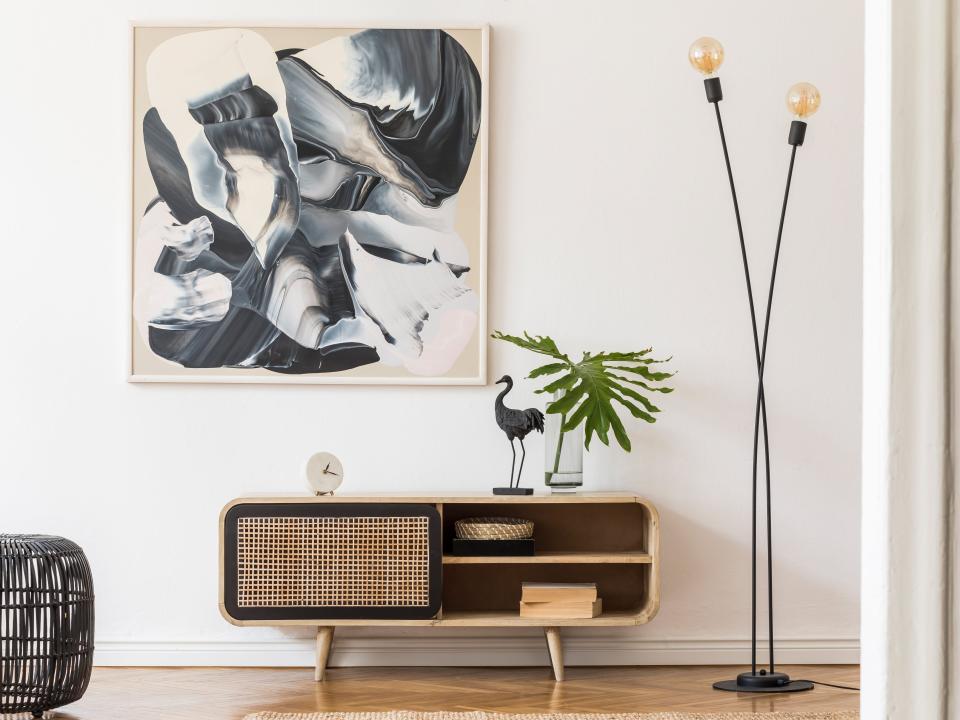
[535, 343]
[603, 421]
[575, 418]
[641, 383]
[592, 427]
[644, 372]
[619, 431]
[564, 383]
[550, 369]
[569, 399]
[634, 410]
[621, 356]
[635, 395]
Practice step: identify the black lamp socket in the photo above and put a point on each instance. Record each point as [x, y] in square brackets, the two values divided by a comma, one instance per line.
[798, 130]
[714, 91]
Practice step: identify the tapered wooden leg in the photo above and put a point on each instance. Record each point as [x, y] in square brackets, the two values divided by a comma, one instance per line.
[555, 648]
[324, 643]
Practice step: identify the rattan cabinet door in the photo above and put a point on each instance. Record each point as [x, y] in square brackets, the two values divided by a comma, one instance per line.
[316, 561]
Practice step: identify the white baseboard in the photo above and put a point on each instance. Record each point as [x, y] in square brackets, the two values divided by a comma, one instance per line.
[516, 651]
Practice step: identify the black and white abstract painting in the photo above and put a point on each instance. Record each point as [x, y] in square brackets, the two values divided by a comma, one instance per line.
[310, 205]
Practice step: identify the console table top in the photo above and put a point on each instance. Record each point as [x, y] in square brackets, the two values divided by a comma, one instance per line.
[448, 498]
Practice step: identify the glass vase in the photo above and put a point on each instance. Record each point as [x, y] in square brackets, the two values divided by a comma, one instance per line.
[563, 466]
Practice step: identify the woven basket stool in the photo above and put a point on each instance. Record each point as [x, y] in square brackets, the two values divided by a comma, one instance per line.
[46, 623]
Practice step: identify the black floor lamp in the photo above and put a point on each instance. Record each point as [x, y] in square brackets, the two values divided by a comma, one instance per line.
[803, 99]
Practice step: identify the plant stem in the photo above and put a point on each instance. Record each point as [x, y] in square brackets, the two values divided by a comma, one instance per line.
[556, 459]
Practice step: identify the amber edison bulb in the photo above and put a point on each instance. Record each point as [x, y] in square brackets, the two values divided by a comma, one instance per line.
[706, 55]
[803, 100]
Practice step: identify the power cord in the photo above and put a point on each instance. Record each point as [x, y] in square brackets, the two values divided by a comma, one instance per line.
[839, 687]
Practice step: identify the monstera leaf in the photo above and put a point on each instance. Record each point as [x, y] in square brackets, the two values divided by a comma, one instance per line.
[589, 388]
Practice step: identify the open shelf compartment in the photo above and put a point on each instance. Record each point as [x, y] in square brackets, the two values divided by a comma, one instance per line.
[568, 529]
[614, 544]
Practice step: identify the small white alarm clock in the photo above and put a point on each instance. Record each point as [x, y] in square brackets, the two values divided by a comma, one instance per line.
[324, 473]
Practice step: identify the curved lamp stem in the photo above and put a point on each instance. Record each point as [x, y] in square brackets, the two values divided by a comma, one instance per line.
[761, 408]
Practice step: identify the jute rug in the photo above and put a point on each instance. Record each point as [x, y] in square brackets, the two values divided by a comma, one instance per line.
[409, 715]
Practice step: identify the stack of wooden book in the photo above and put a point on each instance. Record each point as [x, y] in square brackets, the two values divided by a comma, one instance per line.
[560, 601]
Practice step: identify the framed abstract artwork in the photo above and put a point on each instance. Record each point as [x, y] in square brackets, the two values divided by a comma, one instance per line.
[309, 205]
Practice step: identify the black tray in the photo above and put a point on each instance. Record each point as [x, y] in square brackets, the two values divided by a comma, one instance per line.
[476, 548]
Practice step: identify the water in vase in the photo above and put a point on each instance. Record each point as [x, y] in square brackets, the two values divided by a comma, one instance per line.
[563, 465]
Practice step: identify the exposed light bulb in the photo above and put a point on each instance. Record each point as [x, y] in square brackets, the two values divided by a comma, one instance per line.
[803, 100]
[706, 55]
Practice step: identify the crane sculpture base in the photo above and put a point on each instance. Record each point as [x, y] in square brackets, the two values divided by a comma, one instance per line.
[512, 491]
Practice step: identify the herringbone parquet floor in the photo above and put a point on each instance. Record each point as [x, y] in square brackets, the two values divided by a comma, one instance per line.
[230, 693]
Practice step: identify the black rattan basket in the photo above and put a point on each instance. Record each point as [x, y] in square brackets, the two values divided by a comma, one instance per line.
[46, 623]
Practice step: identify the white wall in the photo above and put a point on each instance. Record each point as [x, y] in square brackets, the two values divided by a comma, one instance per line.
[610, 228]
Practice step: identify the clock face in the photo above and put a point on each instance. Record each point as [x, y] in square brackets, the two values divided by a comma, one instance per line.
[324, 473]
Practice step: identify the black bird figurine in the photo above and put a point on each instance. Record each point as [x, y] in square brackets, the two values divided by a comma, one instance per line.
[515, 424]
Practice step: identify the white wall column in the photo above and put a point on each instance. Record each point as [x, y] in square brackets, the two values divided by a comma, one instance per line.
[910, 312]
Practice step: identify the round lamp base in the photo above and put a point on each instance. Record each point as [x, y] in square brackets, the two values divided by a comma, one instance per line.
[763, 682]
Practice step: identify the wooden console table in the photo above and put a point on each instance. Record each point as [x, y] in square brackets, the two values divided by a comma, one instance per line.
[611, 539]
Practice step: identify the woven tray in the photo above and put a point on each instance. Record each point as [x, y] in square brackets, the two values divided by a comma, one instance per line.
[494, 528]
